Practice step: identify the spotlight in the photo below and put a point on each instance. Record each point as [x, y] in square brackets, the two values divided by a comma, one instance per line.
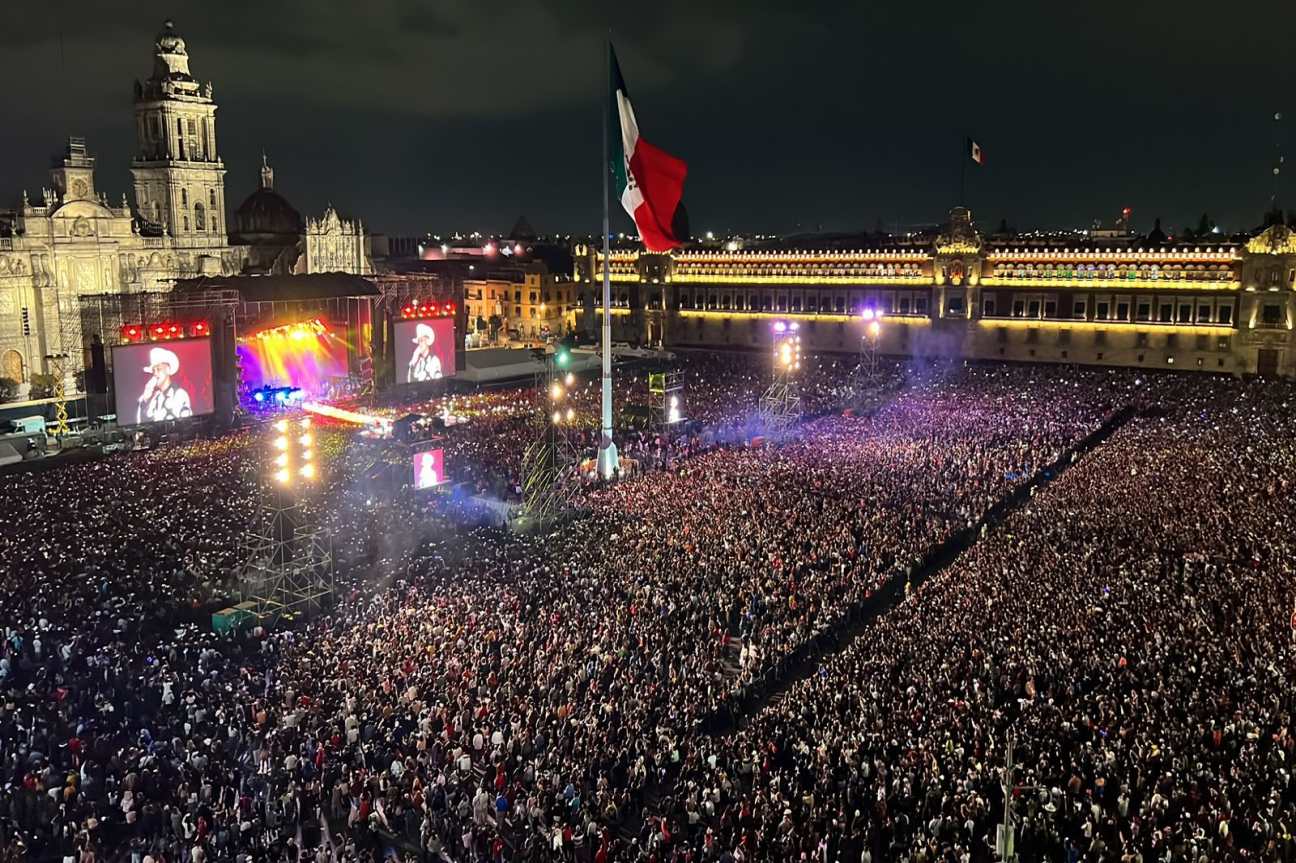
[556, 391]
[281, 426]
[308, 471]
[557, 417]
[259, 396]
[281, 460]
[571, 414]
[283, 476]
[305, 440]
[305, 421]
[281, 443]
[570, 379]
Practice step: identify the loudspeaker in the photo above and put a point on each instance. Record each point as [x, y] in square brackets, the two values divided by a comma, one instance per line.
[97, 379]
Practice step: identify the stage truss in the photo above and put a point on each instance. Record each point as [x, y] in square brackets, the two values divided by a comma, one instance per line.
[780, 405]
[549, 459]
[288, 562]
[665, 401]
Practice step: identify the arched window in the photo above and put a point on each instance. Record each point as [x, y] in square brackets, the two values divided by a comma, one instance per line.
[184, 197]
[213, 198]
[200, 217]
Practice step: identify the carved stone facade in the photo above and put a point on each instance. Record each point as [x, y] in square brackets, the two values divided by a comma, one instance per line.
[75, 243]
[336, 245]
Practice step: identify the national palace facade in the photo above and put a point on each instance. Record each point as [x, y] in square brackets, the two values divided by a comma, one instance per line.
[1216, 306]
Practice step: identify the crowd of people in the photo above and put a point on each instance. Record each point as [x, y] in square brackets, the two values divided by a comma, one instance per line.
[1127, 630]
[484, 695]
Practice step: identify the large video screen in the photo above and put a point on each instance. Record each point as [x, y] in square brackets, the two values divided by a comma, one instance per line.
[429, 469]
[303, 355]
[425, 350]
[158, 381]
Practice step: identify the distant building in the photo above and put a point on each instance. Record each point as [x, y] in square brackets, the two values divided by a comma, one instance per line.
[529, 301]
[1225, 306]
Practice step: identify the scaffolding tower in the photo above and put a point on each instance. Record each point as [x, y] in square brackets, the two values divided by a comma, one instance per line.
[288, 559]
[665, 401]
[780, 405]
[288, 569]
[549, 460]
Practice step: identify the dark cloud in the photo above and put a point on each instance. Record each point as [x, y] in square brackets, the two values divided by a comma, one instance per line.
[420, 114]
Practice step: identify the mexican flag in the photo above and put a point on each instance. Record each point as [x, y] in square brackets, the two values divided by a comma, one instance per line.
[975, 152]
[647, 180]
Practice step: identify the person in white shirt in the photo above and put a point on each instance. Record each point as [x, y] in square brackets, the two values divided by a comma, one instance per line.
[162, 399]
[423, 365]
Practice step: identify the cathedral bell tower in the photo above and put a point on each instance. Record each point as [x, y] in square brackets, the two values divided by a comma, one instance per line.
[179, 178]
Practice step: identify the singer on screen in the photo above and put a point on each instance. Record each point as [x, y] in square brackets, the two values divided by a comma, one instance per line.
[162, 398]
[427, 471]
[423, 365]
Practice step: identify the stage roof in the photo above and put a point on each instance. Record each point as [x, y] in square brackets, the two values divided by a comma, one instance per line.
[263, 289]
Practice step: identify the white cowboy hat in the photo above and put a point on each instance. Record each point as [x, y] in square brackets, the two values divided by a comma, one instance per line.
[421, 331]
[162, 355]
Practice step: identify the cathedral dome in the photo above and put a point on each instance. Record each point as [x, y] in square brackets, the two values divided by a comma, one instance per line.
[265, 214]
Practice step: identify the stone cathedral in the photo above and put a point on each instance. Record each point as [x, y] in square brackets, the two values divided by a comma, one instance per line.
[73, 240]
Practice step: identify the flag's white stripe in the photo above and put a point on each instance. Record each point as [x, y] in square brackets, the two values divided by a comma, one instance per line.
[629, 128]
[631, 196]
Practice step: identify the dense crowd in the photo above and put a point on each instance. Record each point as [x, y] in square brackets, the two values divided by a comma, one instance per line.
[1128, 629]
[481, 695]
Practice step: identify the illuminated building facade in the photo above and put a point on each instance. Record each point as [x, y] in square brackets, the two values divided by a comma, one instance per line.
[528, 301]
[73, 241]
[1221, 306]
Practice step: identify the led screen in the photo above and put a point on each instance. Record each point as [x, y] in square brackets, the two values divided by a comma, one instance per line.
[429, 469]
[305, 355]
[425, 350]
[160, 381]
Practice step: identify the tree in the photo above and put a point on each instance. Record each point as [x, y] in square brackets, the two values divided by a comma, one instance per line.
[1204, 225]
[8, 389]
[42, 386]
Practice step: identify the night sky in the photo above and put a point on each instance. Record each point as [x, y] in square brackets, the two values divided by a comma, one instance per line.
[462, 115]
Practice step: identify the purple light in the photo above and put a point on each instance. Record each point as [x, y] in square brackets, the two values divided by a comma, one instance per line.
[794, 326]
[867, 314]
[780, 327]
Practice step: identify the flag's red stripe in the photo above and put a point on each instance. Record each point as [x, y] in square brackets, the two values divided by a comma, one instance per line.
[661, 181]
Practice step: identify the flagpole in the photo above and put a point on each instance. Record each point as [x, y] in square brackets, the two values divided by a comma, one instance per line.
[963, 160]
[607, 452]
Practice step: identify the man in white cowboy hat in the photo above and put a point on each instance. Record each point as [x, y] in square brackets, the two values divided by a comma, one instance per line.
[162, 399]
[423, 365]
